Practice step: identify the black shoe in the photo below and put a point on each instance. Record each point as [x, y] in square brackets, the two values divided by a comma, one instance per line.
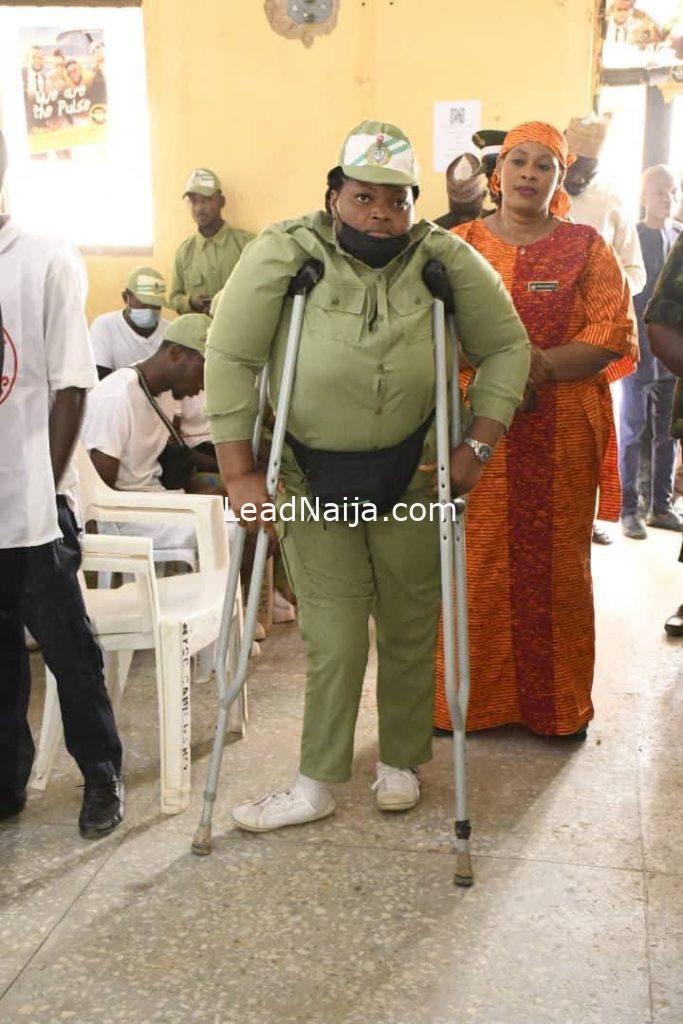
[12, 802]
[600, 535]
[578, 737]
[102, 809]
[674, 624]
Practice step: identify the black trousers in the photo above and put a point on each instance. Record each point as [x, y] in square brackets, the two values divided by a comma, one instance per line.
[39, 589]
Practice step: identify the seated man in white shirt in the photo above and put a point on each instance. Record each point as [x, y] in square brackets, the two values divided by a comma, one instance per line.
[135, 332]
[128, 425]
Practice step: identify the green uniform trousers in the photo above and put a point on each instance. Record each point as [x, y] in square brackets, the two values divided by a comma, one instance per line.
[341, 576]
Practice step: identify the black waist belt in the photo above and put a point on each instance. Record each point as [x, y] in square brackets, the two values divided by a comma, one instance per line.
[376, 477]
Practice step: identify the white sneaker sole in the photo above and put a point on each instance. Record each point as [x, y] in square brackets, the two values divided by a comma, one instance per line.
[388, 803]
[246, 827]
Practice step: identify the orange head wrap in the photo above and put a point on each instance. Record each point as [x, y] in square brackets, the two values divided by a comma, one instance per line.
[552, 139]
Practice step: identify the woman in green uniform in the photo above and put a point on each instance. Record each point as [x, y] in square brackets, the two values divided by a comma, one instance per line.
[365, 385]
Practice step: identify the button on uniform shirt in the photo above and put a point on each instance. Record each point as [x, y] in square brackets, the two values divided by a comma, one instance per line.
[365, 372]
[45, 349]
[121, 422]
[203, 265]
[116, 344]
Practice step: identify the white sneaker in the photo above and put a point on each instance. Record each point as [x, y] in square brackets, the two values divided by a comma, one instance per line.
[283, 611]
[305, 800]
[259, 631]
[397, 789]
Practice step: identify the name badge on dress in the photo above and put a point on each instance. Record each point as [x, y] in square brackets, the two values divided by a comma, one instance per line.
[542, 286]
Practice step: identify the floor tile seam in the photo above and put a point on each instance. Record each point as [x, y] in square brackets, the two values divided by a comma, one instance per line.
[646, 889]
[388, 848]
[661, 872]
[60, 920]
[25, 821]
[30, 888]
[488, 855]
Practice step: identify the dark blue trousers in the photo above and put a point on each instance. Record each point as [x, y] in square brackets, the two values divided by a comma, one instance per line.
[640, 400]
[39, 589]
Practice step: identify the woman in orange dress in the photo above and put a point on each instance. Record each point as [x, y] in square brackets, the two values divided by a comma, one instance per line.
[529, 521]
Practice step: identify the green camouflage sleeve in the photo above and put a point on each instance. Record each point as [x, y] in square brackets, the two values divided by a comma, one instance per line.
[666, 304]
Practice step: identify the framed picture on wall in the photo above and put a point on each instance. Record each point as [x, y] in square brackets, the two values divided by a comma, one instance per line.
[642, 33]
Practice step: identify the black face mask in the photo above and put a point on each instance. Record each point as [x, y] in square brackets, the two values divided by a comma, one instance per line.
[375, 252]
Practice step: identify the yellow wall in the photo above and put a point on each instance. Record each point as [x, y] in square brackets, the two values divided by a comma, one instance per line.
[269, 115]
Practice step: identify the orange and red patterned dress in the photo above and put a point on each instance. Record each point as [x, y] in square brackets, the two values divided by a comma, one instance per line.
[529, 519]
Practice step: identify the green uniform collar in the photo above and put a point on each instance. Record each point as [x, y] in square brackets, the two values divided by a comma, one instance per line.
[220, 238]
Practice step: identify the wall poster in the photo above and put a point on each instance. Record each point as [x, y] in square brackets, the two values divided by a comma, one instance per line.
[65, 89]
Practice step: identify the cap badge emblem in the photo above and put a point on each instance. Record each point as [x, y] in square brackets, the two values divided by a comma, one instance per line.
[378, 154]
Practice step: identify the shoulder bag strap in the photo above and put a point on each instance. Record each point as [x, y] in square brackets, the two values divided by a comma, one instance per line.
[158, 410]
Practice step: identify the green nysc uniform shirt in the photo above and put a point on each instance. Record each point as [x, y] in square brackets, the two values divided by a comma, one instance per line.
[364, 381]
[203, 265]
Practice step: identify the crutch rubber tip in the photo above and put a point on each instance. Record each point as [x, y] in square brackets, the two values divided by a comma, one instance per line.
[464, 875]
[201, 844]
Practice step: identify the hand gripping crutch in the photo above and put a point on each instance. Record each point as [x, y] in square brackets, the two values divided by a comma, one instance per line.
[452, 543]
[230, 689]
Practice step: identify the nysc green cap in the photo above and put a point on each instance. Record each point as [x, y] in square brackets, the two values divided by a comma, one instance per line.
[380, 153]
[148, 286]
[189, 330]
[202, 182]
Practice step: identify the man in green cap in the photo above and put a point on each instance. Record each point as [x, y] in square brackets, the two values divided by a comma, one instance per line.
[135, 332]
[126, 425]
[204, 262]
[363, 399]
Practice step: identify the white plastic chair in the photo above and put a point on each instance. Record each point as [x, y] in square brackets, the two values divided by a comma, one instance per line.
[103, 504]
[204, 513]
[175, 617]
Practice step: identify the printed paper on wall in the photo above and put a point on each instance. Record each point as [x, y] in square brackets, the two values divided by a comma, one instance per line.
[455, 121]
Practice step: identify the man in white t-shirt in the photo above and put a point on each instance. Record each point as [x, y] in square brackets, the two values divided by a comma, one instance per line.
[127, 427]
[135, 332]
[47, 368]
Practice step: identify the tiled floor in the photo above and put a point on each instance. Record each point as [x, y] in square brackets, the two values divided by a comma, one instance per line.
[576, 916]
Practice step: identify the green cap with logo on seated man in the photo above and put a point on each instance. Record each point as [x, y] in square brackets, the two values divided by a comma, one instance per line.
[205, 260]
[148, 286]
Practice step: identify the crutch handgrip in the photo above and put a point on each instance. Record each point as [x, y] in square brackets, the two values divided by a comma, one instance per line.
[436, 278]
[306, 279]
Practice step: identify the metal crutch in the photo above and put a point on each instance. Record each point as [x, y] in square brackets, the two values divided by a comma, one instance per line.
[229, 690]
[452, 545]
